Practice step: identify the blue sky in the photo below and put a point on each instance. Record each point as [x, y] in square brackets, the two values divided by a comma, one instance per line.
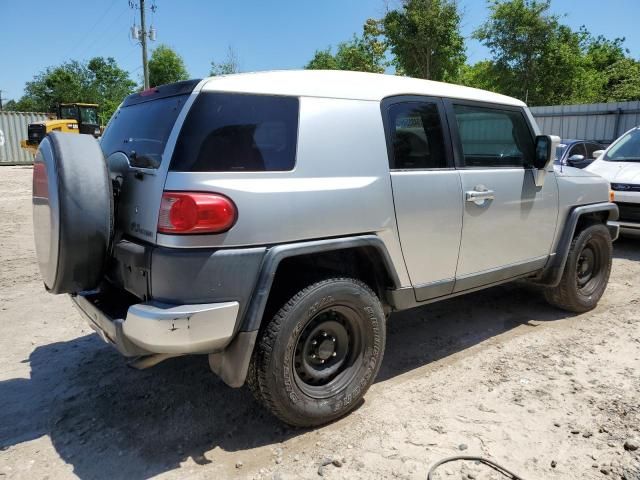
[265, 34]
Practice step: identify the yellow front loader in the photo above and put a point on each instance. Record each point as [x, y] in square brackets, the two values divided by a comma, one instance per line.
[72, 118]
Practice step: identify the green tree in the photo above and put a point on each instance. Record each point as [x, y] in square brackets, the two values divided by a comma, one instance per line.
[615, 76]
[10, 106]
[601, 52]
[539, 60]
[520, 34]
[229, 66]
[68, 82]
[166, 66]
[109, 84]
[623, 81]
[325, 60]
[364, 53]
[424, 37]
[98, 81]
[482, 75]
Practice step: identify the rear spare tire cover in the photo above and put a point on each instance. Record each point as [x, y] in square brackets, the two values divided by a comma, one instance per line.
[72, 212]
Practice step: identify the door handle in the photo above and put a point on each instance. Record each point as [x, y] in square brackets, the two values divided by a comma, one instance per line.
[480, 194]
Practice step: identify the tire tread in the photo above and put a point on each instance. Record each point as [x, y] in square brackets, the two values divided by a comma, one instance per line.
[262, 356]
[562, 296]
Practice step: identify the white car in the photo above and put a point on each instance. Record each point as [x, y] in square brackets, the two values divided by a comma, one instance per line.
[620, 165]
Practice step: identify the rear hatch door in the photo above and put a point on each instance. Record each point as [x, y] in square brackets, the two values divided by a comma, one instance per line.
[137, 144]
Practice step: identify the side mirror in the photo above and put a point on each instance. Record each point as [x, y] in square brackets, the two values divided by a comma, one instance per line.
[544, 149]
[597, 153]
[543, 156]
[575, 159]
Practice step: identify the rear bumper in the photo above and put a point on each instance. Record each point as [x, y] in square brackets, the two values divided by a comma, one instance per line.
[148, 328]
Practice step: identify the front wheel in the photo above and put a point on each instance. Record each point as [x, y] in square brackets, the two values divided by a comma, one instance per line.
[319, 354]
[586, 272]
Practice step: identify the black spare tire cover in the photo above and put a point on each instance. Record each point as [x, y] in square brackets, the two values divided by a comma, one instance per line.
[72, 212]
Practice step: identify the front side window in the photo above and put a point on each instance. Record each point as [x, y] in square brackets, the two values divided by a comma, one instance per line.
[226, 132]
[626, 149]
[89, 115]
[68, 112]
[577, 149]
[492, 137]
[416, 136]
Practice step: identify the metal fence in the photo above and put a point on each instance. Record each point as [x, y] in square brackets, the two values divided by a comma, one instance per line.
[603, 122]
[13, 128]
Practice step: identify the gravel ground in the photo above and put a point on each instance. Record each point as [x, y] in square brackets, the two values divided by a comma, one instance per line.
[498, 373]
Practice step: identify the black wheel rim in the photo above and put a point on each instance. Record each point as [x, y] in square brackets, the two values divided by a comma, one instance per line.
[589, 268]
[328, 352]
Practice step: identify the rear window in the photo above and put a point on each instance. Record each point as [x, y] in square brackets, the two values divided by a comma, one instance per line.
[236, 132]
[141, 130]
[417, 136]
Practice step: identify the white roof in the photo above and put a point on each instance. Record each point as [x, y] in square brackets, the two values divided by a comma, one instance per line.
[349, 85]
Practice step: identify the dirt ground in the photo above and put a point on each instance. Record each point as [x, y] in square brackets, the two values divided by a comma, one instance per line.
[497, 373]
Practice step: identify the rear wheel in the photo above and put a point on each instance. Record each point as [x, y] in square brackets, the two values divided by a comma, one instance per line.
[586, 272]
[319, 354]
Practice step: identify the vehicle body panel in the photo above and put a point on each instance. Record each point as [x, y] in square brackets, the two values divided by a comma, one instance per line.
[141, 190]
[430, 236]
[339, 186]
[518, 225]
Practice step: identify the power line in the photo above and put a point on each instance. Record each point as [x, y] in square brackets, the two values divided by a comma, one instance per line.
[101, 35]
[84, 37]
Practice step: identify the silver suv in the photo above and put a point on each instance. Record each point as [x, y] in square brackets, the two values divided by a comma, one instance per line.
[273, 221]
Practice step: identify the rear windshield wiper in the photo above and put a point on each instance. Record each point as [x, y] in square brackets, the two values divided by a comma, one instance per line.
[144, 160]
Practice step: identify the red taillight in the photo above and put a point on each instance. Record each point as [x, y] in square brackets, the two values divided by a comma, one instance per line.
[186, 212]
[40, 180]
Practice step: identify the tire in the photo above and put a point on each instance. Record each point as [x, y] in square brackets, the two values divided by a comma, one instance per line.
[72, 212]
[586, 271]
[347, 323]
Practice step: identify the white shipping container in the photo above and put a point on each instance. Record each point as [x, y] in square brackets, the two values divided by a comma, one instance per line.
[13, 129]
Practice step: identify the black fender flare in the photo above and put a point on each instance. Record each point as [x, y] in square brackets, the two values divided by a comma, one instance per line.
[552, 272]
[232, 364]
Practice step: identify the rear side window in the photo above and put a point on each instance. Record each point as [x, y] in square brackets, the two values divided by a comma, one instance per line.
[492, 137]
[416, 136]
[236, 132]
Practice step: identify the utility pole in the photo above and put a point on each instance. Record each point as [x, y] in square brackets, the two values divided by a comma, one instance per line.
[143, 40]
[0, 100]
[142, 35]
